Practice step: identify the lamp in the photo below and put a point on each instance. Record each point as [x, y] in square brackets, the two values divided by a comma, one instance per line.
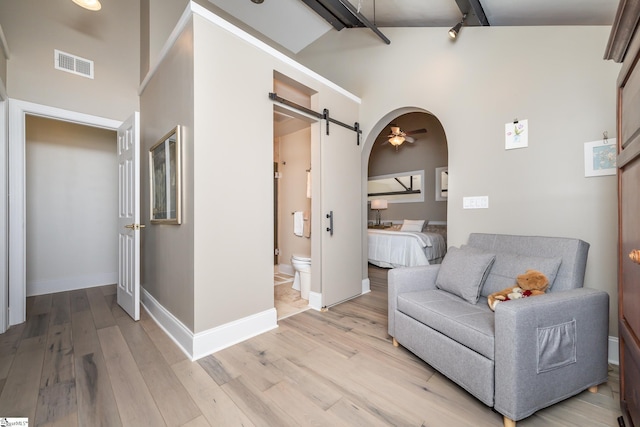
[378, 204]
[89, 4]
[453, 32]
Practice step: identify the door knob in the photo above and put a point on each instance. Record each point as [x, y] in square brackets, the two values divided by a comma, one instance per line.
[135, 226]
[635, 256]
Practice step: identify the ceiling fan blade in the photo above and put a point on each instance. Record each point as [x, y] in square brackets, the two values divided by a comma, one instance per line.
[409, 139]
[414, 132]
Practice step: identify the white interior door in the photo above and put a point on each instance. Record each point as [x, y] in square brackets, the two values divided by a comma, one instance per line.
[341, 200]
[129, 216]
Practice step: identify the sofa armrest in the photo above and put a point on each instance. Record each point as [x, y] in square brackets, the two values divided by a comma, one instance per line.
[408, 279]
[548, 348]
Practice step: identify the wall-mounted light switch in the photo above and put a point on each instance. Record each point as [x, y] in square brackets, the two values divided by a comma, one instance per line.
[476, 202]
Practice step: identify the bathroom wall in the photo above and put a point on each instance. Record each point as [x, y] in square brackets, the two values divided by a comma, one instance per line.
[294, 161]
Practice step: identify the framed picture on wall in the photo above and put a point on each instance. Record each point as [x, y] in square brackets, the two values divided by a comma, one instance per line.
[165, 178]
[600, 157]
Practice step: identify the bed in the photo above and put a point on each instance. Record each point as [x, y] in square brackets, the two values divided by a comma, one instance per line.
[395, 248]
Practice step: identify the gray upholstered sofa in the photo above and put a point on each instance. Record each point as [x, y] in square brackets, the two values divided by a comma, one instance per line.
[530, 353]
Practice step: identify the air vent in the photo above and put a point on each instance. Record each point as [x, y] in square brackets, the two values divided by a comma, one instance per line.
[73, 64]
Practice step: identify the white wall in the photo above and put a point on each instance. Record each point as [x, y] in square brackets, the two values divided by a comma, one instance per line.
[72, 196]
[110, 37]
[553, 76]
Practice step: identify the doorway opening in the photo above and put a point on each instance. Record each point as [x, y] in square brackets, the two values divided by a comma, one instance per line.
[406, 186]
[71, 192]
[18, 112]
[292, 200]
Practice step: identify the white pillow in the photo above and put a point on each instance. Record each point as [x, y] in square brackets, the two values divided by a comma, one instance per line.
[412, 225]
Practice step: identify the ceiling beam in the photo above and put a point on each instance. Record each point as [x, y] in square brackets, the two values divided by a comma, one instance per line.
[342, 14]
[474, 11]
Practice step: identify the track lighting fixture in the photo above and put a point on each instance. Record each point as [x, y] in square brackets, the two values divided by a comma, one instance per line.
[453, 32]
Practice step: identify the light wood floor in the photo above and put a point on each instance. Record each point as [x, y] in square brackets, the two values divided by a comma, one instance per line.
[79, 360]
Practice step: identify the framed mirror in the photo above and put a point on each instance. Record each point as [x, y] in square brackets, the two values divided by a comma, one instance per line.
[442, 184]
[404, 187]
[165, 178]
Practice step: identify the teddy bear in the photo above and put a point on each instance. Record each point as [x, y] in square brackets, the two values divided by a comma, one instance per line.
[531, 283]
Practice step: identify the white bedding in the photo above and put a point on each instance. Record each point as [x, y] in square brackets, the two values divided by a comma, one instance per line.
[392, 249]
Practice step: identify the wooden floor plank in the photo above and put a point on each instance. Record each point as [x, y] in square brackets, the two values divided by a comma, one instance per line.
[60, 308]
[96, 401]
[217, 407]
[20, 393]
[102, 316]
[85, 336]
[256, 405]
[57, 397]
[126, 380]
[79, 300]
[170, 351]
[9, 342]
[173, 401]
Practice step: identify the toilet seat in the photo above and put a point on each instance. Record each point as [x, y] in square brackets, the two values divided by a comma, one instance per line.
[301, 259]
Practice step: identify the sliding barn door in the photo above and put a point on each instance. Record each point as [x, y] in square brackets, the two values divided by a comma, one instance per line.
[341, 209]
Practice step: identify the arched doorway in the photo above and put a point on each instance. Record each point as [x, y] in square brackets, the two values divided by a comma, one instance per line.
[418, 170]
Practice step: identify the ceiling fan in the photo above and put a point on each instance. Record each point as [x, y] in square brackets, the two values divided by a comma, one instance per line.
[398, 136]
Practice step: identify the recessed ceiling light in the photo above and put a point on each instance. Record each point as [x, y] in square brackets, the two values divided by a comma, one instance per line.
[258, 1]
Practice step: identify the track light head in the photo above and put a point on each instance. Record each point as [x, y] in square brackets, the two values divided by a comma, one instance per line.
[453, 32]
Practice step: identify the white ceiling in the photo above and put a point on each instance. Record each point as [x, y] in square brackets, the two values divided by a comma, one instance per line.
[292, 24]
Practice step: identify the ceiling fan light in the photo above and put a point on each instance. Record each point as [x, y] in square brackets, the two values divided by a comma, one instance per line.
[89, 4]
[396, 140]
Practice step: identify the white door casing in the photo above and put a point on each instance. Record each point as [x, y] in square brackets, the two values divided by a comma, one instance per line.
[18, 110]
[341, 270]
[129, 216]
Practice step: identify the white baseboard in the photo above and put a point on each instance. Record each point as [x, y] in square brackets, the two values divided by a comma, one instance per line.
[614, 351]
[42, 287]
[286, 269]
[177, 331]
[196, 346]
[231, 333]
[366, 286]
[315, 300]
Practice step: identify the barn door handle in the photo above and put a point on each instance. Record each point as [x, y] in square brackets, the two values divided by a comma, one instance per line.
[635, 256]
[330, 227]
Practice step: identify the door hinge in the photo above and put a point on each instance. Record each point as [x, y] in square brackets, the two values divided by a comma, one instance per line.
[277, 175]
[276, 251]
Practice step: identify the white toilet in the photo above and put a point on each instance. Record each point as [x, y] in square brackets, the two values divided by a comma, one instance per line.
[302, 276]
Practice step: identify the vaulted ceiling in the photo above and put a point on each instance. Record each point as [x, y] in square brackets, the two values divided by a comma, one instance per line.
[294, 24]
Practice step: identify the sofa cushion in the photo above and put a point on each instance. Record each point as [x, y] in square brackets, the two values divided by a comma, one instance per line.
[471, 325]
[463, 272]
[508, 266]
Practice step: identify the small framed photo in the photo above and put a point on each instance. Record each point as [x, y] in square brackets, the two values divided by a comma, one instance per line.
[600, 157]
[165, 178]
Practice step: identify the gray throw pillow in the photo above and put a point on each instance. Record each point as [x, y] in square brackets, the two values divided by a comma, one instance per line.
[508, 266]
[462, 273]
